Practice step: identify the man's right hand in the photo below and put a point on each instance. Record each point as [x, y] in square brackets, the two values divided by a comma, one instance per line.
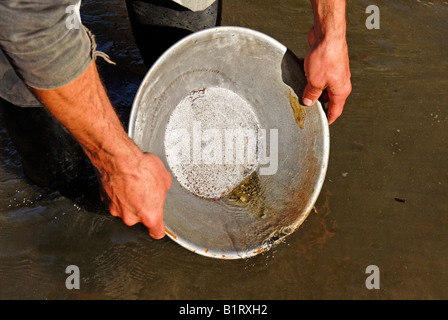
[136, 191]
[327, 68]
[327, 62]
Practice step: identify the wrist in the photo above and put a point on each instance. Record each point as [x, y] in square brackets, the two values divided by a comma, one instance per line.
[330, 35]
[329, 20]
[117, 157]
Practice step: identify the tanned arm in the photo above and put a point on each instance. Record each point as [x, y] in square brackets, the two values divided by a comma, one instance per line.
[327, 62]
[135, 182]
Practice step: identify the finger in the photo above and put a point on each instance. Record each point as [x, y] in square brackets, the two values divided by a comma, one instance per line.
[129, 219]
[157, 235]
[335, 107]
[337, 101]
[154, 223]
[113, 211]
[311, 94]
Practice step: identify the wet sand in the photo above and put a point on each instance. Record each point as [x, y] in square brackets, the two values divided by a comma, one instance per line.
[384, 201]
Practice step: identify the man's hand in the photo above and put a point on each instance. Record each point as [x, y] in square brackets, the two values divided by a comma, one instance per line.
[327, 63]
[135, 183]
[136, 191]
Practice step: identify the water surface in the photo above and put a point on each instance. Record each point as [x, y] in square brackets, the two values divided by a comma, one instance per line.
[389, 143]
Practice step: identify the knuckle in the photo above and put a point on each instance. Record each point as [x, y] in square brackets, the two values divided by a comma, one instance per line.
[341, 92]
[348, 89]
[150, 221]
[129, 221]
[315, 85]
[113, 211]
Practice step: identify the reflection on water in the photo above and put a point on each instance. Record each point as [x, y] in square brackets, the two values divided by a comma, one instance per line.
[390, 142]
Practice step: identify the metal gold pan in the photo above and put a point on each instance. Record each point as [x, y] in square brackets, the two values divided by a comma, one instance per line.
[197, 108]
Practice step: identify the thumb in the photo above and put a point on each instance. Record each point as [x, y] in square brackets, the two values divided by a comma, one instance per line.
[311, 94]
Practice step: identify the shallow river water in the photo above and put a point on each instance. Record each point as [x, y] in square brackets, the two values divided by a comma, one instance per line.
[390, 144]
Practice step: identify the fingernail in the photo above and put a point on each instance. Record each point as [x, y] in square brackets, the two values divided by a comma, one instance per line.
[307, 102]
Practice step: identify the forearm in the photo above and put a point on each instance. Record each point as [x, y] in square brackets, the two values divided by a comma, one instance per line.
[329, 19]
[85, 110]
[135, 182]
